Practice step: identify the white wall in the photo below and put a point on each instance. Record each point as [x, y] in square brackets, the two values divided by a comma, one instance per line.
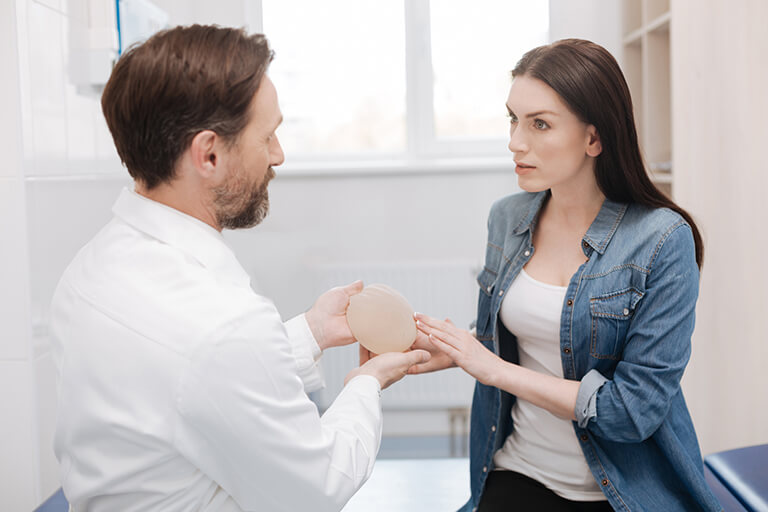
[720, 108]
[596, 20]
[18, 432]
[58, 176]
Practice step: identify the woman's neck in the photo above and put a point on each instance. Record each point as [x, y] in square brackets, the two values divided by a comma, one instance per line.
[575, 207]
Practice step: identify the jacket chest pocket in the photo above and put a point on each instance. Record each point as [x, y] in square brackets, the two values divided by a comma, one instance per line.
[611, 315]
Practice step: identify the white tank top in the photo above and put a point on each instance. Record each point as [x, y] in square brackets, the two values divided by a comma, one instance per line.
[542, 446]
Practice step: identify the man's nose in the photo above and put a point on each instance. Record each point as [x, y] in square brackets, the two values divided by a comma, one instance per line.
[277, 155]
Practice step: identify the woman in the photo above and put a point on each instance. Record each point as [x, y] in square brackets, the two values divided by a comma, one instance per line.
[586, 309]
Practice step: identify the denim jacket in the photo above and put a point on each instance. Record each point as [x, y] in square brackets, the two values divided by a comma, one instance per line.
[625, 334]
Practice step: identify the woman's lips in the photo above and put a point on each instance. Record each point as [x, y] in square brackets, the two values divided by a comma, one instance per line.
[522, 169]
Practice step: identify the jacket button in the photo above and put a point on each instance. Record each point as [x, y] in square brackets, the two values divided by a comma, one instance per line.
[585, 244]
[485, 470]
[501, 292]
[489, 289]
[605, 481]
[584, 437]
[493, 428]
[570, 302]
[527, 253]
[567, 350]
[626, 312]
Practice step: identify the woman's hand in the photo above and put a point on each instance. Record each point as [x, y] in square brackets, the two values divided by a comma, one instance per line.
[438, 361]
[327, 318]
[462, 348]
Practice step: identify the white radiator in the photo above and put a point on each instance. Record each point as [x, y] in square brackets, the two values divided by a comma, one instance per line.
[436, 288]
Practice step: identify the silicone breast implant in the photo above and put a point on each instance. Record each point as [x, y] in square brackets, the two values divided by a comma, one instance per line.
[381, 319]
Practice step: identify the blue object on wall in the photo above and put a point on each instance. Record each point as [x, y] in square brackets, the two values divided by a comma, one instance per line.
[137, 20]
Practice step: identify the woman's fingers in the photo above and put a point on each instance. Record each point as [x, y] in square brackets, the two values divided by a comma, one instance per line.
[422, 342]
[428, 325]
[433, 322]
[450, 335]
[445, 347]
[444, 329]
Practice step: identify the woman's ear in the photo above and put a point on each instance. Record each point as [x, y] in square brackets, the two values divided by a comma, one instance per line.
[594, 146]
[203, 151]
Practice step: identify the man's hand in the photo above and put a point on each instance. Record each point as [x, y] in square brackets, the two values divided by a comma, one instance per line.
[387, 368]
[439, 360]
[327, 318]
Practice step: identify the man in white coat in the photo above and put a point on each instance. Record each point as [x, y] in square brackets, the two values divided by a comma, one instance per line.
[180, 388]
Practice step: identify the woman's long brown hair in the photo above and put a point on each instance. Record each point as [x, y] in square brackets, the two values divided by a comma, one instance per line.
[589, 80]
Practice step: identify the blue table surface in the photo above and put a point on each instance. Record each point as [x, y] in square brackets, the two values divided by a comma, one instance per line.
[414, 485]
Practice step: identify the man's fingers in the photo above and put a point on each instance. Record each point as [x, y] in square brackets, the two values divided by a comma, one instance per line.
[420, 368]
[353, 288]
[365, 355]
[418, 356]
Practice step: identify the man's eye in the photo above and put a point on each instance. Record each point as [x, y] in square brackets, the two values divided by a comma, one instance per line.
[512, 118]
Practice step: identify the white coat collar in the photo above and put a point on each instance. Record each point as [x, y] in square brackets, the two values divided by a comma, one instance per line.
[192, 236]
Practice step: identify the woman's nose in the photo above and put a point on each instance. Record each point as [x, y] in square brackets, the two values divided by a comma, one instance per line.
[517, 143]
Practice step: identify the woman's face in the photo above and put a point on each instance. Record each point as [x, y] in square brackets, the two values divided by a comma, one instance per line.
[552, 147]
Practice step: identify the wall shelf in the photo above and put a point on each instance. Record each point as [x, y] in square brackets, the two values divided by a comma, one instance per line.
[646, 27]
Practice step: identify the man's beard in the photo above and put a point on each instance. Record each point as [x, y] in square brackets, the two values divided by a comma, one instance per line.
[237, 205]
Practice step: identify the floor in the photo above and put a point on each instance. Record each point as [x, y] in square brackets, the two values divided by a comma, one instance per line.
[414, 485]
[402, 485]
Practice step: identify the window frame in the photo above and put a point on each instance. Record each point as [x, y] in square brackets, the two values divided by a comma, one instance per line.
[424, 150]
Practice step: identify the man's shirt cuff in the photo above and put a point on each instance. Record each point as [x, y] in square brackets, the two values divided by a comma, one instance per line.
[306, 352]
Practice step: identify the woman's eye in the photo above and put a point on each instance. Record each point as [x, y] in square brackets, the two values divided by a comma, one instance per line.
[540, 125]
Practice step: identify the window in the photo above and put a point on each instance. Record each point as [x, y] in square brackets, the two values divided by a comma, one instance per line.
[473, 51]
[339, 74]
[409, 80]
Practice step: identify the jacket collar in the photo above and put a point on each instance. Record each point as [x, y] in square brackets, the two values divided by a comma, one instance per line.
[192, 236]
[600, 231]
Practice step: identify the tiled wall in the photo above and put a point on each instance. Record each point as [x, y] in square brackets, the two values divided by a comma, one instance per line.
[17, 436]
[57, 181]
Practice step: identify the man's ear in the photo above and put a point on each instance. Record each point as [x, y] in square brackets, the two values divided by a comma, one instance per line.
[594, 145]
[204, 153]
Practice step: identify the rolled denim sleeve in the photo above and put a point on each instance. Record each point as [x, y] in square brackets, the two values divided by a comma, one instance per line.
[586, 400]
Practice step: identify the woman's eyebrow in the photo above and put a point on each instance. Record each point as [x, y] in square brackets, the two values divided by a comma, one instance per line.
[533, 114]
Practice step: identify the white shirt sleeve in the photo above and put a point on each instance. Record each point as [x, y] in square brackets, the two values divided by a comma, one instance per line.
[306, 351]
[245, 421]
